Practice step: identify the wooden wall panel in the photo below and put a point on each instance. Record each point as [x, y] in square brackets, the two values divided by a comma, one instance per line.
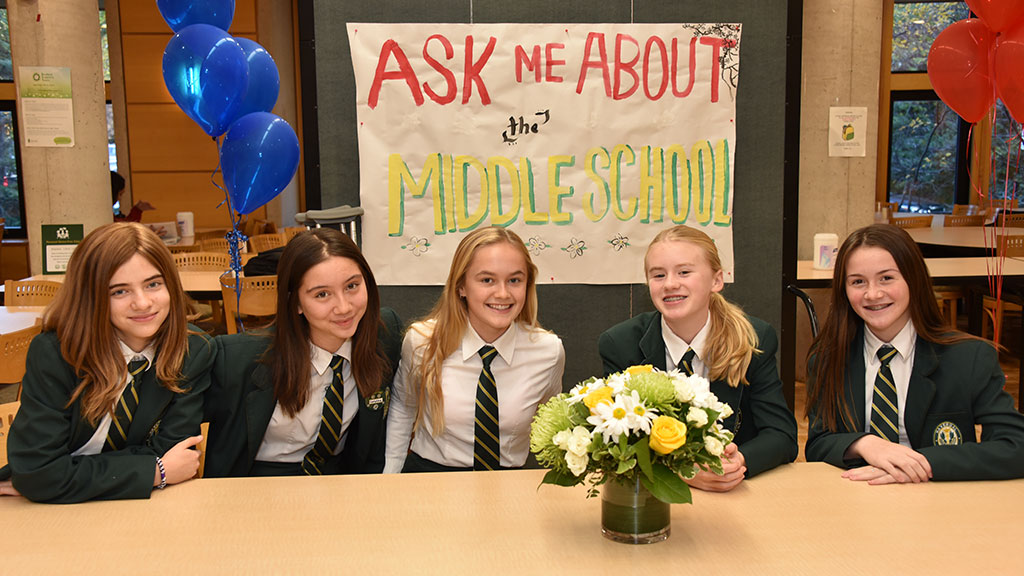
[143, 70]
[143, 17]
[164, 139]
[173, 192]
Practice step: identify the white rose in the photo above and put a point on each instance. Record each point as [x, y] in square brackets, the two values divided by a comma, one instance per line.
[577, 462]
[561, 439]
[578, 441]
[684, 392]
[697, 416]
[713, 445]
[724, 410]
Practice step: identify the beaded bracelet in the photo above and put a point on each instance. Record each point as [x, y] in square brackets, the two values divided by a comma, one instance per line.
[163, 474]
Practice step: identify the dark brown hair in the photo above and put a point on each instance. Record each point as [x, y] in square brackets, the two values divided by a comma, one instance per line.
[288, 354]
[827, 357]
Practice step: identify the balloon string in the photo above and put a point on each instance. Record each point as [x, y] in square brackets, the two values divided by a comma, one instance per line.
[235, 239]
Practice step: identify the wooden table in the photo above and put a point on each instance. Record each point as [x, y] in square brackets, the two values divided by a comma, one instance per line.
[946, 270]
[198, 285]
[962, 241]
[14, 318]
[798, 519]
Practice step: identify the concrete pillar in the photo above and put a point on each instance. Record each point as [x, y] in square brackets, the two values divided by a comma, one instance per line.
[64, 185]
[274, 28]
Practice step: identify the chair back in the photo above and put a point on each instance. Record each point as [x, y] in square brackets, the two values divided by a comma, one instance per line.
[967, 210]
[293, 231]
[30, 292]
[912, 221]
[184, 248]
[7, 412]
[1013, 245]
[13, 349]
[219, 245]
[263, 242]
[1010, 220]
[258, 298]
[202, 261]
[964, 220]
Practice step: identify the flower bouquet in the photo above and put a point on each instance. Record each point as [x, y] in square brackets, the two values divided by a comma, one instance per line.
[639, 433]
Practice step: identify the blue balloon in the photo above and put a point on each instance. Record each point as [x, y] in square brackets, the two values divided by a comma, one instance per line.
[264, 81]
[181, 13]
[206, 74]
[259, 156]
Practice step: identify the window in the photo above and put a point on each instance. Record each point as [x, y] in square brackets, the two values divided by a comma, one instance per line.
[923, 147]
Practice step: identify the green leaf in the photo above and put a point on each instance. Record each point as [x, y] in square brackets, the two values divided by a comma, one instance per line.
[625, 466]
[667, 486]
[643, 457]
[560, 478]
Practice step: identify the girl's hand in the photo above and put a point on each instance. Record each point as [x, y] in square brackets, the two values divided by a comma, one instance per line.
[734, 466]
[180, 462]
[7, 489]
[889, 462]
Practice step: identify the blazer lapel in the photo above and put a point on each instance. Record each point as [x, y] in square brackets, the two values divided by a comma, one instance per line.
[921, 391]
[153, 400]
[855, 376]
[259, 407]
[652, 345]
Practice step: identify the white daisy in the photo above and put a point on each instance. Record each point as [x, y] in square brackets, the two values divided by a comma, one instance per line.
[610, 419]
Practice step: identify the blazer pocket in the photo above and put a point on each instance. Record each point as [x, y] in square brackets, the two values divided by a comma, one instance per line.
[949, 429]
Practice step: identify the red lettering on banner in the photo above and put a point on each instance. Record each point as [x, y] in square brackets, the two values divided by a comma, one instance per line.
[675, 67]
[404, 72]
[531, 63]
[449, 77]
[550, 62]
[716, 44]
[627, 66]
[601, 63]
[472, 71]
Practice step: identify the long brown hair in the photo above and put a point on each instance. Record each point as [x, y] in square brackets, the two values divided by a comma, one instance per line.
[80, 316]
[446, 324]
[828, 355]
[288, 354]
[731, 340]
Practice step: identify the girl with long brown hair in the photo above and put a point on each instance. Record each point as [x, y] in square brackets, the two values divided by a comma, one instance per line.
[311, 396]
[893, 395]
[113, 388]
[697, 330]
[475, 370]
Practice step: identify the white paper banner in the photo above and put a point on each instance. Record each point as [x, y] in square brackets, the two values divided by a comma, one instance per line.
[586, 139]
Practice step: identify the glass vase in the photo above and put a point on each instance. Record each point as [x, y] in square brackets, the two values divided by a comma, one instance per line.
[631, 514]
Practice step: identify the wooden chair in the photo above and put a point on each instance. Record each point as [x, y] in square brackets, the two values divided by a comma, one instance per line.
[204, 429]
[184, 248]
[204, 262]
[13, 349]
[205, 234]
[30, 292]
[263, 242]
[1010, 220]
[254, 226]
[7, 412]
[967, 210]
[1014, 248]
[293, 231]
[912, 221]
[893, 207]
[965, 220]
[258, 298]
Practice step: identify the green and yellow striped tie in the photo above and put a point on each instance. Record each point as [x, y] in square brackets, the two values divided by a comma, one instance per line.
[686, 363]
[885, 416]
[329, 435]
[486, 446]
[117, 436]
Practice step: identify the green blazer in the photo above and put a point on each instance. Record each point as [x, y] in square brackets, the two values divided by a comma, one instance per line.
[45, 432]
[241, 402]
[951, 389]
[764, 425]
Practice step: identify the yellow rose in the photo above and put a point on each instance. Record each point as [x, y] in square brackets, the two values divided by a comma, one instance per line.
[602, 394]
[641, 369]
[667, 434]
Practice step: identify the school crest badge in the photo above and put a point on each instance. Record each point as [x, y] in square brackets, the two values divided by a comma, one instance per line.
[947, 434]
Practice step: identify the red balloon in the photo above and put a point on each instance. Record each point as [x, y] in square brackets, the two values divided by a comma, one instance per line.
[1007, 67]
[999, 15]
[958, 66]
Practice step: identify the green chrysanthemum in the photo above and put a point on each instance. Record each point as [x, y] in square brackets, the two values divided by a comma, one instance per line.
[552, 417]
[656, 391]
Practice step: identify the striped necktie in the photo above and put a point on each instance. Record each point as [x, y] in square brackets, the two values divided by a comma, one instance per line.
[686, 364]
[885, 416]
[117, 436]
[486, 447]
[330, 422]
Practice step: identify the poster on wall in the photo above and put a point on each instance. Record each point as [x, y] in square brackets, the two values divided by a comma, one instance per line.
[585, 139]
[46, 110]
[59, 241]
[847, 131]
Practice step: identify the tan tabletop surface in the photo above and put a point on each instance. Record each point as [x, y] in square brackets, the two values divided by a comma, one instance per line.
[798, 519]
[966, 236]
[14, 318]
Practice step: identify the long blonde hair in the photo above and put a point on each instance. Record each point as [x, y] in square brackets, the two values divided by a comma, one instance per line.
[446, 324]
[732, 340]
[80, 315]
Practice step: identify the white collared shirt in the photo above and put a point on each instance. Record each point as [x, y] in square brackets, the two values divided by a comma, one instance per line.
[99, 437]
[288, 438]
[676, 347]
[901, 366]
[527, 372]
